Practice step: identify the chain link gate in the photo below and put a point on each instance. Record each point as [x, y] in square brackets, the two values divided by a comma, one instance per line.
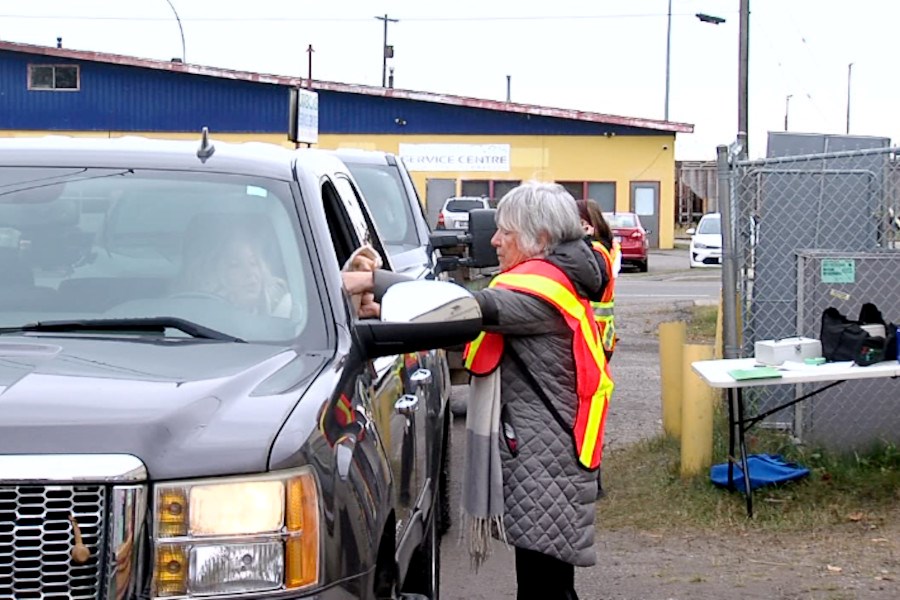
[790, 217]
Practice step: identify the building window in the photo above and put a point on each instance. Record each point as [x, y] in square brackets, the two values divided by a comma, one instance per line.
[502, 187]
[576, 188]
[492, 189]
[476, 187]
[53, 77]
[604, 192]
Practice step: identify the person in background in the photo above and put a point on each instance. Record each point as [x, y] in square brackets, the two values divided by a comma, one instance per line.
[539, 395]
[609, 252]
[602, 240]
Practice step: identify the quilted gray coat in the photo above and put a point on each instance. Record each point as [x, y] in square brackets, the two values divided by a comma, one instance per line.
[549, 500]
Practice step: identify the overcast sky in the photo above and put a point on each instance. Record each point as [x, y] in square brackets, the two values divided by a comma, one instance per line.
[606, 56]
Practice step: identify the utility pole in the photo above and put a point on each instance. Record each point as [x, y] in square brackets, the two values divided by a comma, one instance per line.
[787, 104]
[387, 51]
[668, 55]
[743, 60]
[849, 72]
[508, 88]
[309, 51]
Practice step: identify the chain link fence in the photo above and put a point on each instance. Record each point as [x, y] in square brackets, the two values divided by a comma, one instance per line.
[811, 232]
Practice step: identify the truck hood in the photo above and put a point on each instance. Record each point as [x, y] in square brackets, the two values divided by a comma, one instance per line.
[186, 408]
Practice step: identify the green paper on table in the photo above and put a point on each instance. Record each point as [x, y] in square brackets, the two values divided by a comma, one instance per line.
[755, 373]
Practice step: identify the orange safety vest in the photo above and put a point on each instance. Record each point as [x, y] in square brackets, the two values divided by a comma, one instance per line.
[603, 310]
[594, 386]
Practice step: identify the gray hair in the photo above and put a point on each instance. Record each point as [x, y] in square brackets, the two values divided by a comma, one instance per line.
[534, 210]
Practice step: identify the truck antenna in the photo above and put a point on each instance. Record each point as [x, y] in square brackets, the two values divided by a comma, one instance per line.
[206, 148]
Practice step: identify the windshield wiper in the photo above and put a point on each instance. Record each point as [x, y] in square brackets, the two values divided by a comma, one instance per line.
[146, 324]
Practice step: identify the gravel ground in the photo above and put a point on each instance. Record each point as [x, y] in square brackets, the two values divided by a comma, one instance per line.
[634, 413]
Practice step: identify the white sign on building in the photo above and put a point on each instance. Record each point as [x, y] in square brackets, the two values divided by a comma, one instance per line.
[455, 157]
[306, 107]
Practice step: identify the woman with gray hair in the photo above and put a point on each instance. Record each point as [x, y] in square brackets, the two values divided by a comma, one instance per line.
[537, 403]
[540, 363]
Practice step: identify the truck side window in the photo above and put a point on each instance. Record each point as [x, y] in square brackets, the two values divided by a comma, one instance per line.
[361, 219]
[343, 234]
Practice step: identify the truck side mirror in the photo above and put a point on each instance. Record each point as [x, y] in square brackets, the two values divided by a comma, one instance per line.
[482, 226]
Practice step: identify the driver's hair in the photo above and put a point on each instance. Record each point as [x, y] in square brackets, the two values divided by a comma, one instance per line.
[209, 239]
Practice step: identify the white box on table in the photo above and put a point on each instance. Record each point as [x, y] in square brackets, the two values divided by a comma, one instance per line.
[775, 352]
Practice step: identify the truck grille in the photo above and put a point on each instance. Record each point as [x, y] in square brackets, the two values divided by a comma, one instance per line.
[37, 538]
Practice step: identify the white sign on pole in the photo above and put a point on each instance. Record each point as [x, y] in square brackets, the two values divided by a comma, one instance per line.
[455, 157]
[307, 117]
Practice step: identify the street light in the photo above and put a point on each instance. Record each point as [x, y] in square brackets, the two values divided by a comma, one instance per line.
[710, 18]
[180, 29]
[703, 18]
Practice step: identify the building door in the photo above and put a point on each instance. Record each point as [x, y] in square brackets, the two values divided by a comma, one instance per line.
[436, 191]
[645, 203]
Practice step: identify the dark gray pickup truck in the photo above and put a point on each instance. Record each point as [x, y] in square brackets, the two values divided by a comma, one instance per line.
[189, 406]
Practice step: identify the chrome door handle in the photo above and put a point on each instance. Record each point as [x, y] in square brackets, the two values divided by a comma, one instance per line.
[421, 377]
[407, 404]
[343, 451]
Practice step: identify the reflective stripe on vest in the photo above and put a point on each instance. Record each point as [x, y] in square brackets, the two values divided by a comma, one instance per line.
[593, 384]
[603, 310]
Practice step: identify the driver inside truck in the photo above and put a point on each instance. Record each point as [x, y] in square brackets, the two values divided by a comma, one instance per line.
[224, 258]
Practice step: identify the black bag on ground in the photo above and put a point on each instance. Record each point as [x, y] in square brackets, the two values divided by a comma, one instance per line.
[843, 339]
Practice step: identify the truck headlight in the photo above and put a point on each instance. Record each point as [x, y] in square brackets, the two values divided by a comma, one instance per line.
[236, 535]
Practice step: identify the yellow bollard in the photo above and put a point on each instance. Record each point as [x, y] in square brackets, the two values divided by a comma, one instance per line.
[671, 342]
[698, 403]
[719, 348]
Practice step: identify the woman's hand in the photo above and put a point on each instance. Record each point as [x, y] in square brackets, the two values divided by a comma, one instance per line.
[368, 308]
[358, 282]
[364, 258]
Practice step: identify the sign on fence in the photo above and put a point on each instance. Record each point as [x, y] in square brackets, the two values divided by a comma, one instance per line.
[838, 270]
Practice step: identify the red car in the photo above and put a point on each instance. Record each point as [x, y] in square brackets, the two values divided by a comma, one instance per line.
[632, 236]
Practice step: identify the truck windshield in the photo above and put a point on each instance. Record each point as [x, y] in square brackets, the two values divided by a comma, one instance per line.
[387, 200]
[217, 250]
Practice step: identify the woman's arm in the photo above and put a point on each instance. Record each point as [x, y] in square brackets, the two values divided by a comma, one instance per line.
[503, 311]
[517, 313]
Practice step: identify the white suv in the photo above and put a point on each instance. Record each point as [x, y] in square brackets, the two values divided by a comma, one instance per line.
[455, 212]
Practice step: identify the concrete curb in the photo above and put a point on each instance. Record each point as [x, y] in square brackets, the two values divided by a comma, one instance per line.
[706, 302]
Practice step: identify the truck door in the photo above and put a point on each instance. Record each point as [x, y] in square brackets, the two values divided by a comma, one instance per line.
[399, 402]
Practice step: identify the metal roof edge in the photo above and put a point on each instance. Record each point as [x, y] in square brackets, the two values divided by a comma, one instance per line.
[285, 80]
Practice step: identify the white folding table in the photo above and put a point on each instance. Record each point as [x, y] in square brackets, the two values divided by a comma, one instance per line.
[716, 374]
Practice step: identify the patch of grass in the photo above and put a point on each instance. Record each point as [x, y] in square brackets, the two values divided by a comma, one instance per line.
[645, 490]
[701, 326]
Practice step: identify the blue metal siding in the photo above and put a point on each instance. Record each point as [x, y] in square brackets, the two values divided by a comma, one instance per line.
[343, 113]
[131, 98]
[123, 98]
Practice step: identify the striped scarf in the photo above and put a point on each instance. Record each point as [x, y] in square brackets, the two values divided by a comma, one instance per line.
[482, 493]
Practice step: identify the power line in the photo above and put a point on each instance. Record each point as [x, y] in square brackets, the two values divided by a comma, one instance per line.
[343, 19]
